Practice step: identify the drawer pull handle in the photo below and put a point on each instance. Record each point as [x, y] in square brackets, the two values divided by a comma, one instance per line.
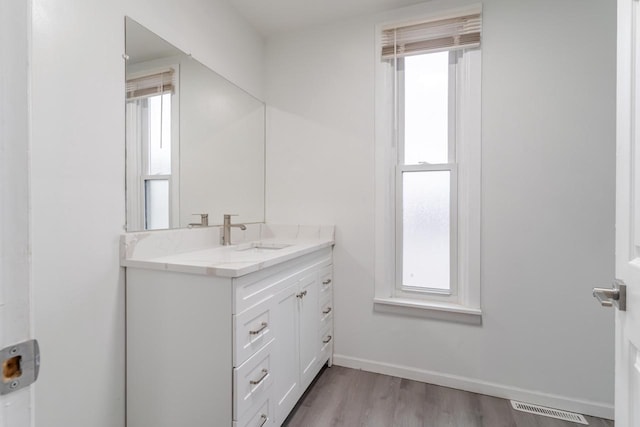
[262, 327]
[327, 311]
[326, 282]
[259, 380]
[326, 340]
[301, 294]
[264, 419]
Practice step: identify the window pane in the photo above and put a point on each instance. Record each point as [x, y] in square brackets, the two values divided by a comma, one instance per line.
[156, 206]
[159, 108]
[426, 108]
[426, 229]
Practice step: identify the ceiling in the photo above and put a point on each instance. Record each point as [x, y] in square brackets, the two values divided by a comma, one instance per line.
[274, 16]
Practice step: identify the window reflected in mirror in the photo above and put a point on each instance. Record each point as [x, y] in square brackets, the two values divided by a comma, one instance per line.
[194, 140]
[149, 105]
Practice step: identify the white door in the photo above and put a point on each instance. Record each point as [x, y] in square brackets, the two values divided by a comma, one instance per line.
[627, 363]
[15, 325]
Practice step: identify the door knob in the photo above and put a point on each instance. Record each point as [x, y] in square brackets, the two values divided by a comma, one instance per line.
[616, 295]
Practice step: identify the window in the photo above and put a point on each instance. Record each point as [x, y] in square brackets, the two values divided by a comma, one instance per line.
[426, 174]
[428, 169]
[152, 157]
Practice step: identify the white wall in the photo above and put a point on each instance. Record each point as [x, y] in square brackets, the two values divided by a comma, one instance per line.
[547, 208]
[222, 143]
[78, 184]
[15, 321]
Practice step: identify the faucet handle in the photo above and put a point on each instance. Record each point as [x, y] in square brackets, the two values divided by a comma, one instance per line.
[204, 219]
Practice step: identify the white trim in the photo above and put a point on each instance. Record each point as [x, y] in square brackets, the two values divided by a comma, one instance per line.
[134, 218]
[174, 188]
[432, 309]
[454, 72]
[16, 284]
[596, 409]
[469, 157]
[626, 199]
[384, 155]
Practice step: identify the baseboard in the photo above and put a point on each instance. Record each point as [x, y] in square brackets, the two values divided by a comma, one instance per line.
[595, 409]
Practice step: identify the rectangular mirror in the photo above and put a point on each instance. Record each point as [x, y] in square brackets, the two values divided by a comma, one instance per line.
[195, 142]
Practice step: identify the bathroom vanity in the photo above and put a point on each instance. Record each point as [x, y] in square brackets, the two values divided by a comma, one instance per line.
[217, 335]
[225, 335]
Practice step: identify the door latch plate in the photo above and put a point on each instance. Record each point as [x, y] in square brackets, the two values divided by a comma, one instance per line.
[20, 366]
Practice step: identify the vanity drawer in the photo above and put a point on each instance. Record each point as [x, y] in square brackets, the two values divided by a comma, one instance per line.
[326, 314]
[253, 288]
[326, 345]
[253, 329]
[325, 278]
[260, 417]
[249, 293]
[251, 381]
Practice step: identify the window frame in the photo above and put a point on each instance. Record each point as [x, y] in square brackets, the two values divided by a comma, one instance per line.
[143, 105]
[463, 302]
[451, 166]
[425, 292]
[145, 199]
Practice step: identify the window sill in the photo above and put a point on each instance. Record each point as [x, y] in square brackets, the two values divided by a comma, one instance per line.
[429, 309]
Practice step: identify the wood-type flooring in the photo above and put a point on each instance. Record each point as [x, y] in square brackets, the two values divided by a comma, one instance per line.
[342, 397]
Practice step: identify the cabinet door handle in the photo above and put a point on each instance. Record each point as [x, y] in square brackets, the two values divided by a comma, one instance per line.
[301, 294]
[326, 340]
[262, 327]
[259, 380]
[327, 311]
[264, 419]
[326, 282]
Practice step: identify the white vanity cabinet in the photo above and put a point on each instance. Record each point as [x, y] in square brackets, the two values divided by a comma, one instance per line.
[209, 351]
[301, 351]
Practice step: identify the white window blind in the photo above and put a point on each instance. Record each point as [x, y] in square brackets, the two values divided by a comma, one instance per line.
[451, 33]
[151, 85]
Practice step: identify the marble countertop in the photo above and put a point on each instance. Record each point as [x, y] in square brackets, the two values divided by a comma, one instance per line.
[197, 251]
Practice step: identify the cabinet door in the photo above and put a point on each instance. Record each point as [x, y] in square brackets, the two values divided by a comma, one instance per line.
[309, 334]
[286, 356]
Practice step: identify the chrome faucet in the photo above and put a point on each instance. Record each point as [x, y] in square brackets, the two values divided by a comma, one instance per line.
[204, 221]
[226, 229]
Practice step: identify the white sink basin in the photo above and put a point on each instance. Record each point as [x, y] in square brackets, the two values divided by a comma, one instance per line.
[261, 247]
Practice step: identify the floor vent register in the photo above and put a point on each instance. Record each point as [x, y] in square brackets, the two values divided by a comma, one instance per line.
[549, 412]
